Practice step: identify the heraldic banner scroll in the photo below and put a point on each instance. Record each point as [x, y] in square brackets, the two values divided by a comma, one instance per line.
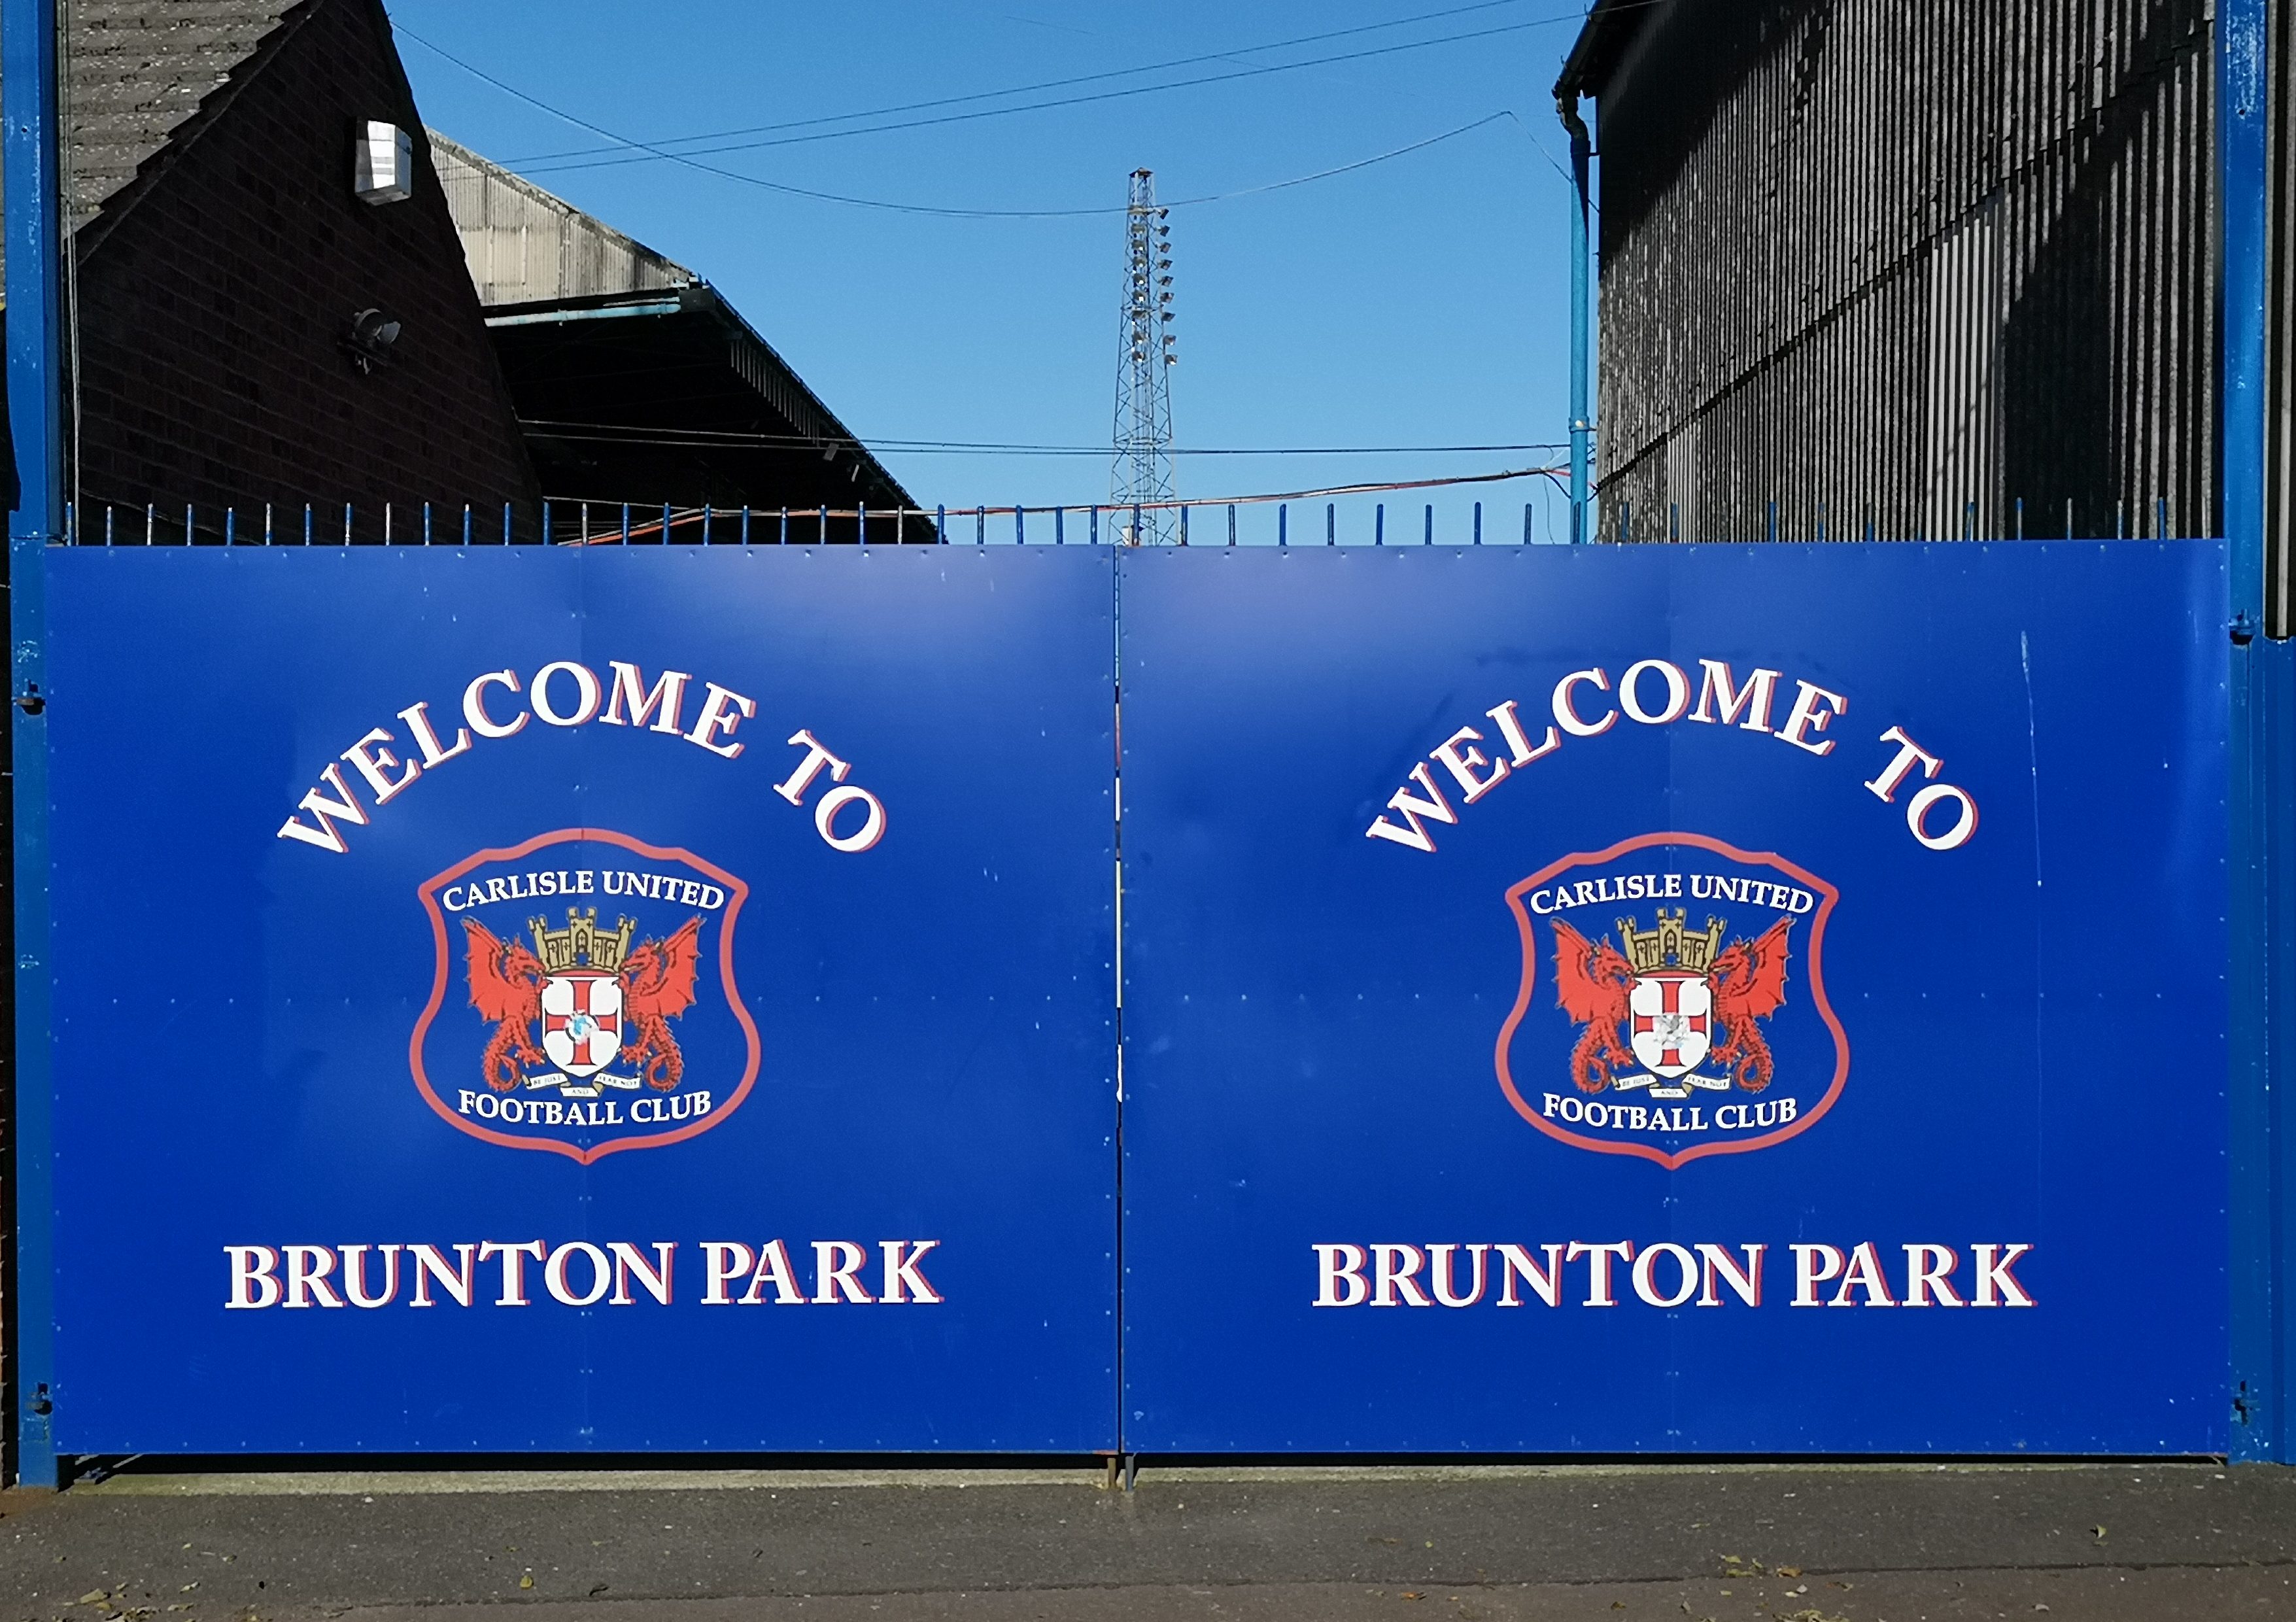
[1742, 999]
[546, 999]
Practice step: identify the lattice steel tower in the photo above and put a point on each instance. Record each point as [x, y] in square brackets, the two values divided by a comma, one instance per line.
[1143, 472]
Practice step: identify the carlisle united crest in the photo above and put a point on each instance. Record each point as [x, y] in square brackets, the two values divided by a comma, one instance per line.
[583, 999]
[1687, 1013]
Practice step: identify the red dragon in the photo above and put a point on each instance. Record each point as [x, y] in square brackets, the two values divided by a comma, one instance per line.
[1747, 982]
[1591, 982]
[657, 981]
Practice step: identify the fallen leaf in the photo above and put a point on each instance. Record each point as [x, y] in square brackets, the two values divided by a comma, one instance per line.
[1789, 1570]
[2097, 1532]
[527, 1581]
[596, 1589]
[94, 1597]
[1412, 1593]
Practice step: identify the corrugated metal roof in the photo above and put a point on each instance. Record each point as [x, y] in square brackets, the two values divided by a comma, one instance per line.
[524, 245]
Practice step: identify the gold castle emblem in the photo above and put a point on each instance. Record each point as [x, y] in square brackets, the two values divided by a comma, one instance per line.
[581, 944]
[1670, 946]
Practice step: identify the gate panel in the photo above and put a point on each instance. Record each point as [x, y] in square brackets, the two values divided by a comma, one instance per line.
[1838, 1050]
[754, 1095]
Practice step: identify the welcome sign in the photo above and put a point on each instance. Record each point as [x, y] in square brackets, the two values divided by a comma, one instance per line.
[1701, 998]
[1746, 999]
[626, 975]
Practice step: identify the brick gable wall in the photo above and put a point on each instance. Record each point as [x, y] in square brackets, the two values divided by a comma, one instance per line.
[213, 307]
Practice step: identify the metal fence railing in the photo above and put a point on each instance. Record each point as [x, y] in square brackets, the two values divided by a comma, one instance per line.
[1261, 522]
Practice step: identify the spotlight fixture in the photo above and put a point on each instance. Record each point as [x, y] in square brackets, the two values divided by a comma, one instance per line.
[369, 338]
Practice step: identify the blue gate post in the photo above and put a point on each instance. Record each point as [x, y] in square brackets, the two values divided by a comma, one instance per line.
[27, 102]
[2262, 925]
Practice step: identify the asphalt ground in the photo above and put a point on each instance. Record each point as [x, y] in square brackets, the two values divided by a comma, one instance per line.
[1641, 1544]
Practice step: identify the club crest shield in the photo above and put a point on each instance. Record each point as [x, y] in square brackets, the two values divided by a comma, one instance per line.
[1672, 1000]
[583, 1001]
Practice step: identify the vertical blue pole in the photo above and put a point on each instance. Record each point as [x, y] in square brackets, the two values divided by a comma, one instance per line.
[230, 525]
[745, 523]
[506, 522]
[1059, 525]
[1581, 409]
[426, 524]
[545, 522]
[1183, 526]
[1283, 523]
[1331, 523]
[2262, 922]
[940, 523]
[1379, 524]
[1231, 523]
[860, 514]
[1020, 525]
[1479, 525]
[1094, 537]
[1429, 538]
[35, 250]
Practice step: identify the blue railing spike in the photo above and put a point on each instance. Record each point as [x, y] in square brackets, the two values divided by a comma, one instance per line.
[1019, 523]
[1526, 524]
[745, 523]
[187, 523]
[1427, 537]
[107, 523]
[1231, 523]
[1479, 525]
[1059, 527]
[940, 522]
[1378, 523]
[505, 523]
[230, 523]
[545, 523]
[981, 526]
[1283, 523]
[1331, 523]
[1094, 537]
[426, 523]
[820, 518]
[785, 540]
[1183, 526]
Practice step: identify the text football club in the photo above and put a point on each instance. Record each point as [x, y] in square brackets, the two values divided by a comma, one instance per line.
[584, 997]
[1687, 1013]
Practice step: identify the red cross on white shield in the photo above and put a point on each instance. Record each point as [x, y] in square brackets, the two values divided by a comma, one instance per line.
[581, 1022]
[1671, 1022]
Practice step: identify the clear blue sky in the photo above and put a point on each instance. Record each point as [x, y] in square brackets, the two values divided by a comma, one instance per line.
[1422, 300]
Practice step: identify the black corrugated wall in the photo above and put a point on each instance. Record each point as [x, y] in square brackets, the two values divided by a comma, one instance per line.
[1909, 262]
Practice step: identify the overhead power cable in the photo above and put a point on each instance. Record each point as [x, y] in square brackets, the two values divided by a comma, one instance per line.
[1043, 84]
[703, 438]
[645, 151]
[680, 514]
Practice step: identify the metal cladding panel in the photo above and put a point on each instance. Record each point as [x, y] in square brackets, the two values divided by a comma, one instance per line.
[260, 1043]
[1347, 1078]
[1909, 265]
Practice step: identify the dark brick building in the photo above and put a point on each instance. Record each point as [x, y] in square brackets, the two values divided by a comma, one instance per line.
[223, 254]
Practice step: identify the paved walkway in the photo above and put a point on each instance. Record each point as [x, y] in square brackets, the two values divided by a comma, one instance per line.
[1655, 1544]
